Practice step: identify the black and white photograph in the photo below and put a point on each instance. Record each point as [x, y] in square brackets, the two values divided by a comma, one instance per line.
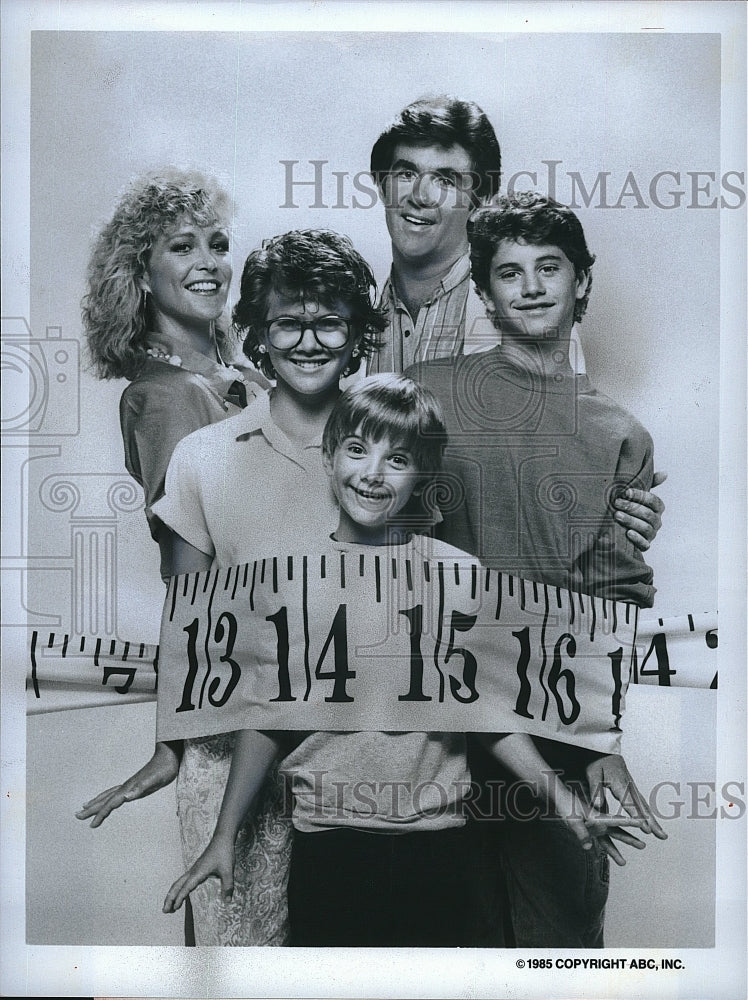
[374, 499]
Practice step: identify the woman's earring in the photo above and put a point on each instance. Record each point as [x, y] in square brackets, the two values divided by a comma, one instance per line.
[262, 349]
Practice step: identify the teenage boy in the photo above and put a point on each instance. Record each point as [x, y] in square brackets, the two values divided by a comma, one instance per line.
[437, 160]
[539, 455]
[381, 854]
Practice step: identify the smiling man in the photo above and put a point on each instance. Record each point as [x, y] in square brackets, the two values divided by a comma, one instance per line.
[433, 165]
[436, 162]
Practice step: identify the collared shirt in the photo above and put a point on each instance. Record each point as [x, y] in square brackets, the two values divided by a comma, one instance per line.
[167, 401]
[240, 489]
[451, 322]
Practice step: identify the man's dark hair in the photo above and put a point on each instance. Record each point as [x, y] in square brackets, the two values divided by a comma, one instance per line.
[313, 264]
[443, 121]
[534, 219]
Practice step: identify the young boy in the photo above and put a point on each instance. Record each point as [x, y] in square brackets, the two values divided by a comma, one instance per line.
[381, 854]
[543, 457]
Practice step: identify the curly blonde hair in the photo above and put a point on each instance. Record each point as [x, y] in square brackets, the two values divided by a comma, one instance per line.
[114, 307]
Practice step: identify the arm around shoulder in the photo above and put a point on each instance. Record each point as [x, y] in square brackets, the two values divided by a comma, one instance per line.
[613, 566]
[637, 509]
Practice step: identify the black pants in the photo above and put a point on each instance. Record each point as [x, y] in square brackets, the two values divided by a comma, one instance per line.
[351, 888]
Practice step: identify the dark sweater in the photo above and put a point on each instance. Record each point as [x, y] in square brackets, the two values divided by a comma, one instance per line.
[532, 466]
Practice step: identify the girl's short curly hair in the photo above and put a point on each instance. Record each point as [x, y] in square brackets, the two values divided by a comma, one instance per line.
[535, 219]
[115, 315]
[307, 264]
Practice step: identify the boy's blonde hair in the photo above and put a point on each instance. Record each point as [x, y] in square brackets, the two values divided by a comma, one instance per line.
[394, 406]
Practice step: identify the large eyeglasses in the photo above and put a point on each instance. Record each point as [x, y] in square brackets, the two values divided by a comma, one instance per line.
[286, 332]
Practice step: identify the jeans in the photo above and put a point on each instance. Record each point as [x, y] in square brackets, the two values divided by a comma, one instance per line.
[555, 891]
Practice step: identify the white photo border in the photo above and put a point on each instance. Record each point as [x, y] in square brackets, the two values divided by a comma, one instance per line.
[175, 972]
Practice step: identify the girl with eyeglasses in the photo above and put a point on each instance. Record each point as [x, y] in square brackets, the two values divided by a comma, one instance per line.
[252, 486]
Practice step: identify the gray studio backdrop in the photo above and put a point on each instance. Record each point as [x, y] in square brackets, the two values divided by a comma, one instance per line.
[595, 118]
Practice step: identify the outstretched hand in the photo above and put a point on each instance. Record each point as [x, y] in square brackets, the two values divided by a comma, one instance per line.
[160, 771]
[612, 773]
[588, 825]
[216, 859]
[640, 513]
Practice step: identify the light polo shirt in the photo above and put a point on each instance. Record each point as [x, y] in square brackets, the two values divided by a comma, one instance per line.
[451, 322]
[240, 490]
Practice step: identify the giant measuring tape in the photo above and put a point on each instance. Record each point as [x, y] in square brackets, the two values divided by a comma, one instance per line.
[343, 641]
[349, 641]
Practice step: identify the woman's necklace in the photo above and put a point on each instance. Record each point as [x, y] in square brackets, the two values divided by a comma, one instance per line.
[160, 353]
[232, 368]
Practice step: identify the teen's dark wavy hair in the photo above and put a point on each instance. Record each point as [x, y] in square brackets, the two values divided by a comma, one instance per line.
[535, 219]
[311, 264]
[115, 314]
[443, 121]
